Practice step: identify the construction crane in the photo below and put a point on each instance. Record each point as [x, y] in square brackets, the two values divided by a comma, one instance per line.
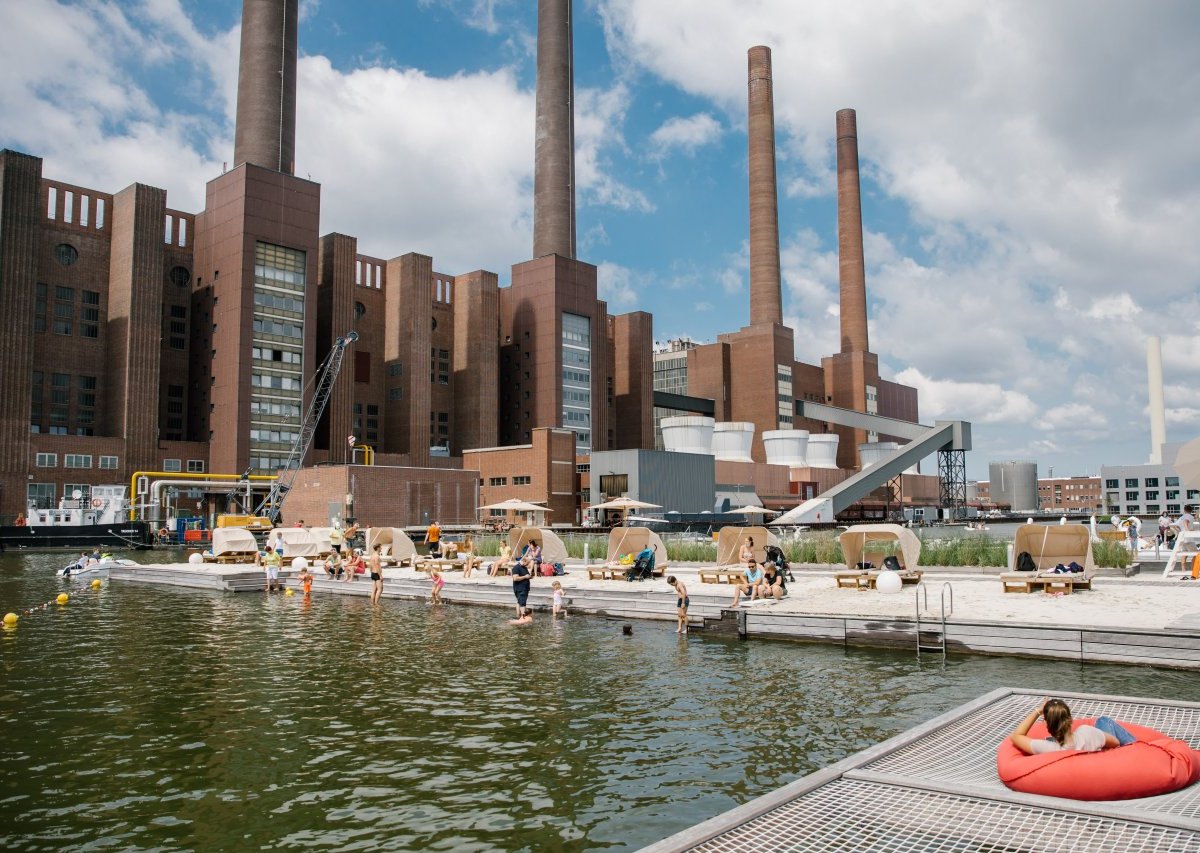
[327, 374]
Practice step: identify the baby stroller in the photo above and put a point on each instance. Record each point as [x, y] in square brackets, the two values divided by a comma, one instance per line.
[642, 568]
[775, 555]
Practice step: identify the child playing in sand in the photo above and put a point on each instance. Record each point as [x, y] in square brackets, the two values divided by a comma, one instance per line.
[558, 601]
[438, 582]
[681, 603]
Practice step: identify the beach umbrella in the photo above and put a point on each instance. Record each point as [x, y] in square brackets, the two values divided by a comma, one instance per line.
[517, 505]
[753, 510]
[625, 505]
[1187, 464]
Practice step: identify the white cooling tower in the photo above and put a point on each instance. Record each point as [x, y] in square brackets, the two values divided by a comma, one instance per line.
[873, 451]
[786, 447]
[688, 434]
[731, 441]
[822, 450]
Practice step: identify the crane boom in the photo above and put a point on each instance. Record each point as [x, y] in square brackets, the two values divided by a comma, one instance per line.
[272, 504]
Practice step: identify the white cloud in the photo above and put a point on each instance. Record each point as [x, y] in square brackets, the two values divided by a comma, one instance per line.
[985, 403]
[618, 285]
[684, 134]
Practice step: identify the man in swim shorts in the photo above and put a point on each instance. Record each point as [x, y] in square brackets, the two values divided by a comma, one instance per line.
[681, 603]
[520, 578]
[375, 567]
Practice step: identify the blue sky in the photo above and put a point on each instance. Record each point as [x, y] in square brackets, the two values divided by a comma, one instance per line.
[1031, 176]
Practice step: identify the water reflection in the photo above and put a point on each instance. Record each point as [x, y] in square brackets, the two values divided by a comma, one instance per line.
[142, 717]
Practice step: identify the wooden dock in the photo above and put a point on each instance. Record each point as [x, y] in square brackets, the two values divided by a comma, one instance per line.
[935, 788]
[1176, 647]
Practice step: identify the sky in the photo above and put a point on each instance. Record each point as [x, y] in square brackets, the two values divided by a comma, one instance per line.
[1031, 170]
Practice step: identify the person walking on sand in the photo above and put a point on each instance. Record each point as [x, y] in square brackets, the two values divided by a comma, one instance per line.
[681, 603]
[375, 566]
[433, 536]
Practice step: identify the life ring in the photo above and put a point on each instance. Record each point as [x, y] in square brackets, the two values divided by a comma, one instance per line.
[1155, 764]
[97, 503]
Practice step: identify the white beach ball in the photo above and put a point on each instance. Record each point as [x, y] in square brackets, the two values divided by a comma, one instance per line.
[195, 559]
[299, 563]
[888, 582]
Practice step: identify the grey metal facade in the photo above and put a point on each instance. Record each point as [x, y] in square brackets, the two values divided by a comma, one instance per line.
[685, 482]
[1015, 484]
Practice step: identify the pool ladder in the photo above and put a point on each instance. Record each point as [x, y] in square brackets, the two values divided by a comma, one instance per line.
[933, 639]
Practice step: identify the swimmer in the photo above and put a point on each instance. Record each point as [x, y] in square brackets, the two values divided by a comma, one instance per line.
[526, 617]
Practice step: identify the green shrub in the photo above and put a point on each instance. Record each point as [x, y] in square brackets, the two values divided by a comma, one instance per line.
[1110, 555]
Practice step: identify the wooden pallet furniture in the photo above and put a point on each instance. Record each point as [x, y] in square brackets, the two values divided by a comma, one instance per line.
[720, 576]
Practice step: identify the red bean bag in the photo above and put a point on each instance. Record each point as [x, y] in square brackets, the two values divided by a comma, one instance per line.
[1155, 764]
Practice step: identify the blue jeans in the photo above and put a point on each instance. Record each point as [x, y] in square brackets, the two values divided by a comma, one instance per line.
[1111, 727]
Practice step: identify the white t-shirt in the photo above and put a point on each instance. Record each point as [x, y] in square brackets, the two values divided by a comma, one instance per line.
[1187, 521]
[1084, 739]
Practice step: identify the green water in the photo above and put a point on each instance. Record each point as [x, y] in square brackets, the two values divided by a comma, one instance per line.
[144, 718]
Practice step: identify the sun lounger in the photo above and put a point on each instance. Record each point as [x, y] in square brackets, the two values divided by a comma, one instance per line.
[1047, 581]
[866, 579]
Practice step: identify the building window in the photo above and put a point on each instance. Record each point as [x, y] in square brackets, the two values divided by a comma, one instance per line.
[1172, 481]
[47, 460]
[577, 378]
[108, 462]
[83, 490]
[1151, 495]
[614, 485]
[66, 254]
[1112, 484]
[498, 481]
[77, 460]
[195, 466]
[522, 481]
[39, 495]
[1131, 483]
[1152, 482]
[172, 465]
[395, 393]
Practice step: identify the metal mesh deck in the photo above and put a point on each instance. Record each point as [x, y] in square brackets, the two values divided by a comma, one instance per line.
[963, 753]
[935, 788]
[858, 816]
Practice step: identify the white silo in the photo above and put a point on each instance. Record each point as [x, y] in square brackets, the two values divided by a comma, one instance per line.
[688, 434]
[1014, 483]
[731, 441]
[872, 452]
[822, 450]
[786, 447]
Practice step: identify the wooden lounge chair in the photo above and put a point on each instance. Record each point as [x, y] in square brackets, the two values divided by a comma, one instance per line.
[720, 575]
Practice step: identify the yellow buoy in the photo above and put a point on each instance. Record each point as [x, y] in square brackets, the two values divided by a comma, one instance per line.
[97, 583]
[63, 598]
[10, 619]
[289, 591]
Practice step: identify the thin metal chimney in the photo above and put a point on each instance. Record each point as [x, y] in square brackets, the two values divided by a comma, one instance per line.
[1158, 411]
[766, 298]
[554, 145]
[852, 270]
[266, 104]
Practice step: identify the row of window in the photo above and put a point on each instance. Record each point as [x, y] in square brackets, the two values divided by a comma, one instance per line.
[279, 303]
[270, 380]
[284, 356]
[273, 436]
[1132, 482]
[84, 460]
[516, 481]
[274, 327]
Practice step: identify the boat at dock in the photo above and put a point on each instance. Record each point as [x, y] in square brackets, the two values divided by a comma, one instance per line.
[100, 520]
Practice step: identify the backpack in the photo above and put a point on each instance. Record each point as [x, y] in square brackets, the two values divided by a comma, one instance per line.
[1025, 562]
[892, 563]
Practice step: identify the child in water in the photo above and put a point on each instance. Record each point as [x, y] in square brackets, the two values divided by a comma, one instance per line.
[526, 617]
[305, 581]
[558, 601]
[438, 583]
[1107, 732]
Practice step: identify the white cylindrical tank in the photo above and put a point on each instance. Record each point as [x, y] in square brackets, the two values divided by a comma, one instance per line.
[822, 450]
[872, 452]
[688, 434]
[731, 441]
[786, 447]
[1015, 484]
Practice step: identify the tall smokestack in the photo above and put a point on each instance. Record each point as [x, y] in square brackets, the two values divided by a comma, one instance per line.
[554, 153]
[852, 271]
[766, 300]
[266, 103]
[1158, 412]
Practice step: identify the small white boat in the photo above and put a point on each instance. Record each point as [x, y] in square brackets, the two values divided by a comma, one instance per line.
[76, 569]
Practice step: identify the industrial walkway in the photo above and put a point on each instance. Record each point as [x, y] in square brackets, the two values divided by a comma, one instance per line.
[934, 788]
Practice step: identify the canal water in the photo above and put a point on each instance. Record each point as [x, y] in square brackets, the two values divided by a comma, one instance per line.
[145, 718]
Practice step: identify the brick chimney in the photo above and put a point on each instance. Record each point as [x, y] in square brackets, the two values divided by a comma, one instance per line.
[266, 102]
[554, 153]
[852, 271]
[766, 300]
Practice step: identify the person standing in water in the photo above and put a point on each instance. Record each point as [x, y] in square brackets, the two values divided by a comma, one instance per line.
[375, 567]
[681, 604]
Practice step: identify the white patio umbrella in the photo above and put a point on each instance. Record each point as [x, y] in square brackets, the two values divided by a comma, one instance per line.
[518, 505]
[625, 505]
[753, 510]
